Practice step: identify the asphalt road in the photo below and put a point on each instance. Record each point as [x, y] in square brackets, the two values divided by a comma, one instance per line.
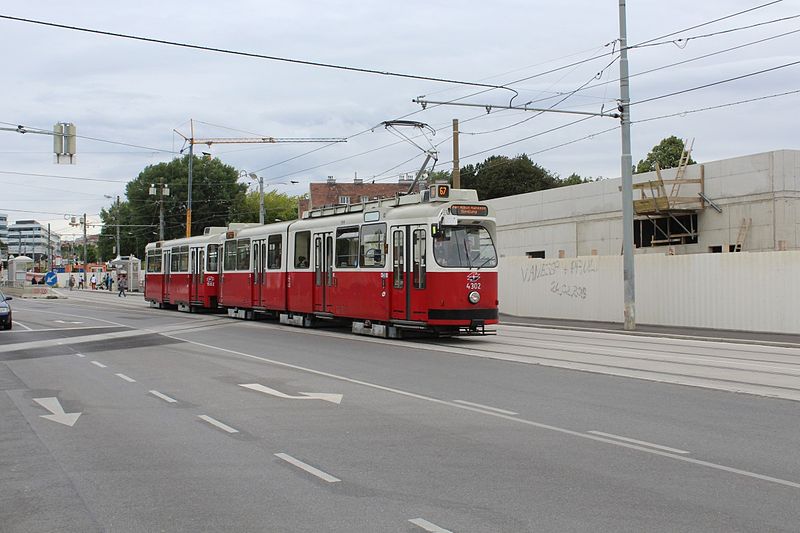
[532, 430]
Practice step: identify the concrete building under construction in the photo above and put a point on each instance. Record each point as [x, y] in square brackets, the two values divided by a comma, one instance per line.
[749, 203]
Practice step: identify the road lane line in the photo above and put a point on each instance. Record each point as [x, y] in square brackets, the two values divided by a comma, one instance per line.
[162, 396]
[428, 526]
[220, 425]
[642, 442]
[126, 378]
[464, 402]
[80, 355]
[518, 420]
[98, 363]
[308, 468]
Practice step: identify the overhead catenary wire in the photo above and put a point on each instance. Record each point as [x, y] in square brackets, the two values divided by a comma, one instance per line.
[250, 54]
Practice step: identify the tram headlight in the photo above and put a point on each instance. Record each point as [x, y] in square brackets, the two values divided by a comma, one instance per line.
[474, 297]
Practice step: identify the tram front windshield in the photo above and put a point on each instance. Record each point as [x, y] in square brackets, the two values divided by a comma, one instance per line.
[464, 247]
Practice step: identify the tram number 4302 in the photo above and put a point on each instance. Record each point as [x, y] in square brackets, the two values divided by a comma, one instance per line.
[473, 286]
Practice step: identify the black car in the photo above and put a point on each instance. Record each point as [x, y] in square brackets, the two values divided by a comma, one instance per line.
[5, 311]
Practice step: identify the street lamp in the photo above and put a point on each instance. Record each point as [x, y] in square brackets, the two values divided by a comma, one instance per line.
[260, 180]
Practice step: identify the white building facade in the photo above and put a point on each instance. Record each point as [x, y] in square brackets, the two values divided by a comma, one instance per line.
[757, 201]
[3, 234]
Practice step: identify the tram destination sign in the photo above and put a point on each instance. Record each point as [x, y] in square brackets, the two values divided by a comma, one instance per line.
[470, 210]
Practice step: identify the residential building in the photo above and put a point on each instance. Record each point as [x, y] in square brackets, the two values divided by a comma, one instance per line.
[332, 193]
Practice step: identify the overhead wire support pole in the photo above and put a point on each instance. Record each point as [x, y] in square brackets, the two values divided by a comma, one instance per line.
[628, 267]
[490, 107]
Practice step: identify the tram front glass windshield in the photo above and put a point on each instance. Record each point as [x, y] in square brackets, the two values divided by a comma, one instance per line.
[464, 247]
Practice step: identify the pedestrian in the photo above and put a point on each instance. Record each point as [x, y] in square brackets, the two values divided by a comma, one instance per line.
[93, 282]
[80, 282]
[71, 282]
[110, 283]
[122, 284]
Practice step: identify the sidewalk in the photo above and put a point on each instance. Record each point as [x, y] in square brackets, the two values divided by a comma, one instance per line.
[742, 337]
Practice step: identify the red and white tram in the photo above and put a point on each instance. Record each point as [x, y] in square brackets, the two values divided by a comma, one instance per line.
[423, 262]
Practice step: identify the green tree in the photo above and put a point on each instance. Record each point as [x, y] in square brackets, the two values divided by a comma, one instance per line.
[500, 176]
[667, 154]
[277, 206]
[217, 198]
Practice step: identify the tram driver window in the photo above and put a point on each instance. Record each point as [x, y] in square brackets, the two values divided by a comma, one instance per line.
[347, 247]
[212, 262]
[302, 249]
[230, 256]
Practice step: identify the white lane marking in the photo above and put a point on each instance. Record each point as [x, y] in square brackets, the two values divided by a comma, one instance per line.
[80, 355]
[98, 363]
[564, 431]
[428, 526]
[486, 407]
[162, 396]
[20, 324]
[126, 378]
[66, 329]
[220, 425]
[642, 442]
[308, 468]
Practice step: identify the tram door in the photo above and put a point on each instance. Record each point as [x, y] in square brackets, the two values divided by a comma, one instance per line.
[196, 258]
[409, 273]
[259, 254]
[167, 271]
[323, 272]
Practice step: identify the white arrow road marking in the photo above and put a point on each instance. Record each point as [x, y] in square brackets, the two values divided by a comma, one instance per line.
[308, 468]
[428, 526]
[333, 398]
[54, 406]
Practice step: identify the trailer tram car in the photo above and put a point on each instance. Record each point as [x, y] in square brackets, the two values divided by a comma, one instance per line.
[184, 272]
[421, 262]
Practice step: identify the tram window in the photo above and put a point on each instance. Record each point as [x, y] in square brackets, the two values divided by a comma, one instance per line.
[302, 249]
[347, 247]
[243, 254]
[318, 260]
[274, 251]
[398, 258]
[183, 253]
[230, 256]
[419, 259]
[154, 261]
[212, 258]
[373, 239]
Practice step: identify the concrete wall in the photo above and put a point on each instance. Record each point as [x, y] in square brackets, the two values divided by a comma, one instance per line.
[739, 291]
[587, 218]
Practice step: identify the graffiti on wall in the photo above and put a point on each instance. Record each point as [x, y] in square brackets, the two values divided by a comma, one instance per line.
[561, 275]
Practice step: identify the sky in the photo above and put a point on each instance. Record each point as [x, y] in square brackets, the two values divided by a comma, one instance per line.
[128, 98]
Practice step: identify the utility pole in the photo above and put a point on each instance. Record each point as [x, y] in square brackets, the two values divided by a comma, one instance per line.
[118, 250]
[161, 192]
[628, 268]
[85, 271]
[189, 203]
[456, 166]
